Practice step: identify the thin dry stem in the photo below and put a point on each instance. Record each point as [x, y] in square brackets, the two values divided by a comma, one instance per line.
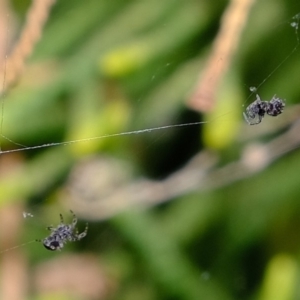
[36, 18]
[224, 47]
[201, 173]
[13, 280]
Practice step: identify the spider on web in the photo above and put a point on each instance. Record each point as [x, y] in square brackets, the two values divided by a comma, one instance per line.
[62, 234]
[256, 110]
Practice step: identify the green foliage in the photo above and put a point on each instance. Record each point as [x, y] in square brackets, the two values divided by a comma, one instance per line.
[107, 67]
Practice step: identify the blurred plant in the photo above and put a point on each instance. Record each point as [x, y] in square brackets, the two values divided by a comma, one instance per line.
[208, 211]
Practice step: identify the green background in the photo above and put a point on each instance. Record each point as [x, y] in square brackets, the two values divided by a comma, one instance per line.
[107, 67]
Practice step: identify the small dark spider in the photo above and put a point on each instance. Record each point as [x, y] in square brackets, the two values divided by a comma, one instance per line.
[62, 234]
[256, 110]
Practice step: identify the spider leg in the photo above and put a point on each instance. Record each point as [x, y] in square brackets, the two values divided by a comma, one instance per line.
[74, 221]
[251, 118]
[50, 228]
[257, 98]
[259, 118]
[246, 117]
[61, 219]
[61, 245]
[84, 233]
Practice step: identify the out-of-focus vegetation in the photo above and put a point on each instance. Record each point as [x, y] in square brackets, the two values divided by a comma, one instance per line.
[106, 67]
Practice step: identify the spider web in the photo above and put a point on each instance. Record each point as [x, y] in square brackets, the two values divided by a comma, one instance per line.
[292, 22]
[291, 25]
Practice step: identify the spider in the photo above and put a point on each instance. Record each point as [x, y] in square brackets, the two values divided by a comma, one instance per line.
[62, 234]
[256, 110]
